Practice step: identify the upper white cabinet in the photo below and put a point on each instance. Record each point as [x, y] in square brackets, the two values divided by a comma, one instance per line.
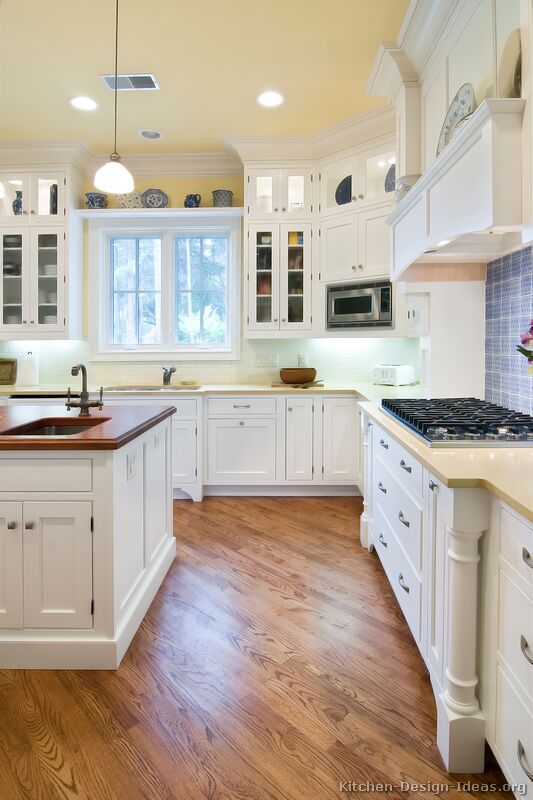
[355, 245]
[279, 192]
[32, 197]
[361, 179]
[279, 276]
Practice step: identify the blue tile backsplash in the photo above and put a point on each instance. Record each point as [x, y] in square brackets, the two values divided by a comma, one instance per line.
[509, 309]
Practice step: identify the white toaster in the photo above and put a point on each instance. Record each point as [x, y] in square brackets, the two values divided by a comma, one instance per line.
[393, 374]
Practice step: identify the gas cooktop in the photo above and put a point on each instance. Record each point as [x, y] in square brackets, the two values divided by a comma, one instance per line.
[462, 421]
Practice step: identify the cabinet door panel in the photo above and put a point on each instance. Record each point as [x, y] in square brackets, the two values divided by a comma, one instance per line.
[295, 277]
[376, 174]
[11, 576]
[47, 197]
[183, 452]
[374, 243]
[263, 275]
[241, 450]
[14, 197]
[57, 565]
[15, 283]
[47, 286]
[338, 185]
[339, 439]
[299, 439]
[156, 492]
[296, 192]
[263, 192]
[338, 248]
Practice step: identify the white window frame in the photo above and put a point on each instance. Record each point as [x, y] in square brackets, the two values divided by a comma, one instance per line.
[100, 235]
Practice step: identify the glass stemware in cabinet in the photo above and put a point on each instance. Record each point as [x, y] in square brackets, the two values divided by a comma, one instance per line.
[12, 279]
[47, 246]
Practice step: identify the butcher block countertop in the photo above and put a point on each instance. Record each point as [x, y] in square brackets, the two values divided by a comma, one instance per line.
[111, 428]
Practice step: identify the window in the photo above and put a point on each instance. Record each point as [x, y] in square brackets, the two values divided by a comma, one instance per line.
[164, 292]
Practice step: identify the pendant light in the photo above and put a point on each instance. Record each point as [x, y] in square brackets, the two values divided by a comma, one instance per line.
[113, 176]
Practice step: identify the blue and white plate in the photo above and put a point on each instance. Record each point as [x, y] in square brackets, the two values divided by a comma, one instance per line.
[154, 198]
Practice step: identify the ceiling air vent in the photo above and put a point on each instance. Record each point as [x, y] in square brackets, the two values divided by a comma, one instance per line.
[130, 83]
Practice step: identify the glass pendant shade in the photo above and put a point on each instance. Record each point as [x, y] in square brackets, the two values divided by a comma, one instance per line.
[114, 177]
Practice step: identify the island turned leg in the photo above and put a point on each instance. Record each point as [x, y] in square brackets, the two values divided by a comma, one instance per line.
[460, 723]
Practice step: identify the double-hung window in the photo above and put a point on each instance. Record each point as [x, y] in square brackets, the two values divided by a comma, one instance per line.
[164, 290]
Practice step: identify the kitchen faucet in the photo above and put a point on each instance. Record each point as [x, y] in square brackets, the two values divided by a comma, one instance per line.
[84, 403]
[167, 374]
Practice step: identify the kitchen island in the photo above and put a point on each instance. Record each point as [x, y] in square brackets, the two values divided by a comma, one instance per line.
[85, 531]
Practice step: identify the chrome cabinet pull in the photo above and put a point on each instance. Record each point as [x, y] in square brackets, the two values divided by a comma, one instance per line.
[289, 408]
[384, 444]
[370, 425]
[521, 754]
[29, 526]
[432, 485]
[236, 405]
[240, 422]
[382, 488]
[526, 557]
[11, 526]
[404, 466]
[403, 583]
[381, 538]
[524, 647]
[403, 520]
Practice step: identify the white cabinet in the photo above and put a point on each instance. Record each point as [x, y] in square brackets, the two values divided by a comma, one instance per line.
[355, 245]
[364, 178]
[32, 198]
[299, 439]
[279, 277]
[340, 433]
[279, 192]
[241, 450]
[184, 455]
[46, 565]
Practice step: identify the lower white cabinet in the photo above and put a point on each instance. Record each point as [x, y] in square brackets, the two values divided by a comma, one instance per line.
[299, 439]
[46, 565]
[241, 450]
[340, 450]
[184, 455]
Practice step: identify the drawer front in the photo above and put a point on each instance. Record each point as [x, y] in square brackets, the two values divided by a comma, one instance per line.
[46, 475]
[515, 632]
[514, 725]
[400, 509]
[241, 406]
[405, 583]
[516, 545]
[185, 407]
[399, 460]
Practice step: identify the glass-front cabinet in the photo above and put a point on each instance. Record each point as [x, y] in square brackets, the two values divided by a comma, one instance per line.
[32, 287]
[282, 192]
[279, 276]
[365, 178]
[32, 198]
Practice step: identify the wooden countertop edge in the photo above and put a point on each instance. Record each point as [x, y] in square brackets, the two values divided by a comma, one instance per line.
[15, 443]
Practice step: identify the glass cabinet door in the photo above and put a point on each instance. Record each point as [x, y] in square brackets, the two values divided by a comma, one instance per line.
[338, 185]
[263, 277]
[296, 192]
[14, 280]
[14, 197]
[47, 285]
[295, 276]
[376, 175]
[47, 197]
[263, 192]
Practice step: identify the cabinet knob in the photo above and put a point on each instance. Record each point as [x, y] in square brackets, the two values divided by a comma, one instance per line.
[354, 267]
[241, 422]
[360, 266]
[432, 485]
[24, 321]
[275, 209]
[29, 526]
[284, 320]
[275, 320]
[11, 526]
[32, 322]
[354, 198]
[361, 197]
[283, 209]
[32, 211]
[289, 408]
[24, 211]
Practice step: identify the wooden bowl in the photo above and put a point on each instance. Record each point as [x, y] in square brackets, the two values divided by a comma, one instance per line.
[297, 374]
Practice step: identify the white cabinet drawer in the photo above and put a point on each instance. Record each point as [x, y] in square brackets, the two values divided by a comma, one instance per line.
[46, 475]
[398, 459]
[405, 583]
[515, 631]
[185, 407]
[516, 544]
[400, 509]
[514, 734]
[241, 406]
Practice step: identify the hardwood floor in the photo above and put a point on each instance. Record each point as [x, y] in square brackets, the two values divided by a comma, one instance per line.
[273, 664]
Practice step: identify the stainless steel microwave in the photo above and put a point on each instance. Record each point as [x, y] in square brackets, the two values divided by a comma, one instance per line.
[359, 305]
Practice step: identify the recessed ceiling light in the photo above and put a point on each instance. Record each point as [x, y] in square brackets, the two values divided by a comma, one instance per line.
[148, 133]
[270, 99]
[83, 103]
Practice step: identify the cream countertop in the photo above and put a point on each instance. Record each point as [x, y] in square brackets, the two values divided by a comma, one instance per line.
[368, 391]
[505, 471]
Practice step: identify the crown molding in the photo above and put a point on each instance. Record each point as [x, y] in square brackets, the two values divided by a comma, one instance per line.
[170, 165]
[391, 70]
[353, 131]
[75, 154]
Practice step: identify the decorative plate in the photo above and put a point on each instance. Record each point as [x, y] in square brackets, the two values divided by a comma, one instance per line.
[461, 106]
[343, 192]
[390, 179]
[154, 198]
[130, 200]
[509, 68]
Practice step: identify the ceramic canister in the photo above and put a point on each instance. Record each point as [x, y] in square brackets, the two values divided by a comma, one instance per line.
[192, 201]
[222, 198]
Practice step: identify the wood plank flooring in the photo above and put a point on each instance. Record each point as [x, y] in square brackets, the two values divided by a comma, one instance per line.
[274, 664]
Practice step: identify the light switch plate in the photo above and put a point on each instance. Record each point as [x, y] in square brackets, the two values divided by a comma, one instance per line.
[266, 360]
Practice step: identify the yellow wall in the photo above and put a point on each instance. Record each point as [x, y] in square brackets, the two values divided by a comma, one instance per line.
[177, 188]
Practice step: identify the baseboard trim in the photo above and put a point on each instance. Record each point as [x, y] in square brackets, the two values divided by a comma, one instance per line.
[283, 491]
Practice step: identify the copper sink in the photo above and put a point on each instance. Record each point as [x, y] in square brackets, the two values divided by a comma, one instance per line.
[55, 426]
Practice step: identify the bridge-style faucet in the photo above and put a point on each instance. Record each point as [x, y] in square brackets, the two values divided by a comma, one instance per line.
[167, 374]
[84, 403]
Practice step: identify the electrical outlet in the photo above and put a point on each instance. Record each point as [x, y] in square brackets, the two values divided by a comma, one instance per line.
[302, 359]
[266, 360]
